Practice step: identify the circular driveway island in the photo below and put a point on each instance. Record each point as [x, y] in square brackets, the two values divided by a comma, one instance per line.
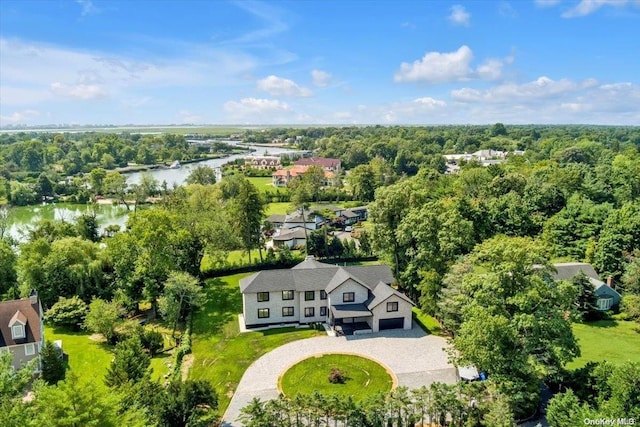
[416, 359]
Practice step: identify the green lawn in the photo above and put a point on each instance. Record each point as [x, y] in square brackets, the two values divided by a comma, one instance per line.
[612, 340]
[221, 353]
[90, 359]
[278, 208]
[427, 323]
[263, 183]
[363, 376]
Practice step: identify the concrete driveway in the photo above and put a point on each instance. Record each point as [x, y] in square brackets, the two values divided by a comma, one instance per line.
[416, 359]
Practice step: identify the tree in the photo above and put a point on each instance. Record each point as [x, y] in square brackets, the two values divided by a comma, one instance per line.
[75, 403]
[247, 209]
[115, 185]
[67, 312]
[87, 226]
[362, 182]
[586, 301]
[103, 318]
[564, 410]
[203, 175]
[508, 320]
[182, 294]
[8, 275]
[130, 363]
[96, 179]
[188, 403]
[53, 368]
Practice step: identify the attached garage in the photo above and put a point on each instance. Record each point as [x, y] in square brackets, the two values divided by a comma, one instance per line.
[393, 323]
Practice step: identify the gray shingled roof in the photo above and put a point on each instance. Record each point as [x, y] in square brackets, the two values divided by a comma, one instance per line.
[568, 270]
[294, 233]
[312, 275]
[341, 311]
[381, 292]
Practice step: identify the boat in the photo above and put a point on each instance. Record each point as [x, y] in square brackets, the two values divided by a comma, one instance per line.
[175, 165]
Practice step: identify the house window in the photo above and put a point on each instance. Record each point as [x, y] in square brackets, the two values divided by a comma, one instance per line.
[392, 306]
[17, 331]
[263, 313]
[287, 311]
[287, 295]
[323, 295]
[309, 295]
[604, 303]
[348, 297]
[323, 311]
[309, 312]
[263, 296]
[29, 350]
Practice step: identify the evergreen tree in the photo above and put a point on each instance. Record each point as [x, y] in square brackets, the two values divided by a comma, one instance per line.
[53, 368]
[130, 363]
[586, 300]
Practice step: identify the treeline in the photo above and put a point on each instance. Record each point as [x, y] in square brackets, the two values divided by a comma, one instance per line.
[461, 404]
[33, 166]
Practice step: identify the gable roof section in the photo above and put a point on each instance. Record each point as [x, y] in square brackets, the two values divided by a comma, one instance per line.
[18, 317]
[568, 270]
[339, 278]
[312, 275]
[295, 233]
[382, 292]
[21, 308]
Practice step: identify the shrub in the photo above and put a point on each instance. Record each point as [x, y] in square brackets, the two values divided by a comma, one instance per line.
[152, 341]
[67, 312]
[337, 376]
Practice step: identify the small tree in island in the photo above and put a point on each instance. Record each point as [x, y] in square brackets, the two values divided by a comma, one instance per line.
[337, 376]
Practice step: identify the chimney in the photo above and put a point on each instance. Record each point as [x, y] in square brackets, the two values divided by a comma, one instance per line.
[33, 297]
[610, 282]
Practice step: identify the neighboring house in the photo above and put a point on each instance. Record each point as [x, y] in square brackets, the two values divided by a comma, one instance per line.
[293, 238]
[21, 329]
[332, 165]
[484, 157]
[264, 162]
[350, 299]
[282, 177]
[607, 297]
[276, 220]
[310, 221]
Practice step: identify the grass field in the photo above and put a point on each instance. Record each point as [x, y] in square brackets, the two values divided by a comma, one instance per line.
[279, 208]
[427, 323]
[90, 359]
[612, 340]
[263, 184]
[364, 376]
[221, 353]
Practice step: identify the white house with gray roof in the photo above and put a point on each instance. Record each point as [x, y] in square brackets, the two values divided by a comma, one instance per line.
[350, 298]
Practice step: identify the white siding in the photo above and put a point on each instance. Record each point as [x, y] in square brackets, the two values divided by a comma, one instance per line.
[361, 293]
[251, 305]
[380, 312]
[316, 304]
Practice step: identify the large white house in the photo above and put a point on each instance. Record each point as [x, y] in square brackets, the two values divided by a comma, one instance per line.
[353, 298]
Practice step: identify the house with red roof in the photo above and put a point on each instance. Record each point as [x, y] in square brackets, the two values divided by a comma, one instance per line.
[21, 329]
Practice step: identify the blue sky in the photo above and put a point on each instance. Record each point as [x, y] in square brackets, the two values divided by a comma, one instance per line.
[319, 62]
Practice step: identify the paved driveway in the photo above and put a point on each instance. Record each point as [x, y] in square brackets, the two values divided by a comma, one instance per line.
[414, 358]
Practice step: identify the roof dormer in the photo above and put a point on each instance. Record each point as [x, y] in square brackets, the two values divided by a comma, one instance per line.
[17, 324]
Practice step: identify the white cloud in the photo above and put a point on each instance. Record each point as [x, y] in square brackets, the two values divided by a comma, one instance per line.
[429, 102]
[255, 105]
[586, 7]
[505, 9]
[277, 86]
[436, 67]
[88, 8]
[459, 15]
[541, 88]
[320, 78]
[81, 91]
[23, 117]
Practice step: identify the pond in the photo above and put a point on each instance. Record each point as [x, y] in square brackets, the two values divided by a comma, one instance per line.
[22, 218]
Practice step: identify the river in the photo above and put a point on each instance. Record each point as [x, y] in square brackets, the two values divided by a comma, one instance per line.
[22, 217]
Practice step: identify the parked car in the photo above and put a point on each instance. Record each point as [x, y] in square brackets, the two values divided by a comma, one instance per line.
[348, 229]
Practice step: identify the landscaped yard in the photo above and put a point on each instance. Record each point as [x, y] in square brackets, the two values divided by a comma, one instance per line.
[278, 208]
[89, 358]
[427, 323]
[263, 184]
[363, 377]
[612, 340]
[221, 353]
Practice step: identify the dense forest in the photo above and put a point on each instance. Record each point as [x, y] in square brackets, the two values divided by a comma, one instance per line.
[473, 249]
